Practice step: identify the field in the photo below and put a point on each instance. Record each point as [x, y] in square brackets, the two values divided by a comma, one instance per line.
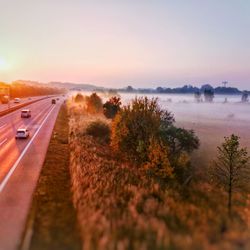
[119, 207]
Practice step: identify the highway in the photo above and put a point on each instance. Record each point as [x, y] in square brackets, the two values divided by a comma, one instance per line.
[20, 163]
[22, 100]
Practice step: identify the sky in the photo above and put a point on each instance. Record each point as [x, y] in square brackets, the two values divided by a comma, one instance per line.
[115, 43]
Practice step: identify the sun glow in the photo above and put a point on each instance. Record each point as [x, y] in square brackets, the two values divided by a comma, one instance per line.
[4, 65]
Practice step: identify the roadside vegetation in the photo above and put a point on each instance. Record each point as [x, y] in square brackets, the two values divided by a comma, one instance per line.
[134, 186]
[52, 219]
[17, 89]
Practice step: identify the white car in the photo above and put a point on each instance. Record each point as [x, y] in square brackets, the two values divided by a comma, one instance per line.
[22, 133]
[25, 113]
[17, 100]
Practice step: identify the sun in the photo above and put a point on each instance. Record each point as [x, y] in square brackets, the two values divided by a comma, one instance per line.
[4, 65]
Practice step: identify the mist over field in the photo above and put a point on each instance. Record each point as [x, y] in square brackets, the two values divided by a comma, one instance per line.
[210, 121]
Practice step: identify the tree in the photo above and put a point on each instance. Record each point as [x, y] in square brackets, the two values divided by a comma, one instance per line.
[231, 170]
[111, 107]
[94, 103]
[135, 125]
[180, 139]
[197, 96]
[79, 98]
[244, 97]
[181, 143]
[208, 95]
[129, 89]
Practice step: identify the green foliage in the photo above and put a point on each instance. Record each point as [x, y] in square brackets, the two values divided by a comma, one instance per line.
[146, 134]
[94, 104]
[135, 125]
[231, 171]
[111, 107]
[79, 98]
[99, 130]
[180, 139]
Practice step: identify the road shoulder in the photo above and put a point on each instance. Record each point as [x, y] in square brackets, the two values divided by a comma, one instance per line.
[52, 220]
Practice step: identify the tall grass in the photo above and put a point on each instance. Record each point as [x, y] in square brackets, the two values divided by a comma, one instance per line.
[120, 207]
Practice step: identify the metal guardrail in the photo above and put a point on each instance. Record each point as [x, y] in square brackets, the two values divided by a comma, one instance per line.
[12, 109]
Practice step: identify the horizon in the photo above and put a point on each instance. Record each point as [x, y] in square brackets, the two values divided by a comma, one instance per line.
[111, 45]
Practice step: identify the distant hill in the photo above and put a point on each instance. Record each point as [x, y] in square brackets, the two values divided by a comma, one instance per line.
[74, 86]
[186, 89]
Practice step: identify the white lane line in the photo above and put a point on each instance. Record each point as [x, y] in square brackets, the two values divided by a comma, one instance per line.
[3, 126]
[7, 177]
[2, 142]
[27, 106]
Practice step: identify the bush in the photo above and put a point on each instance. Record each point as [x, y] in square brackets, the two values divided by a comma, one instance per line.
[94, 104]
[158, 164]
[79, 98]
[146, 135]
[135, 125]
[99, 130]
[111, 107]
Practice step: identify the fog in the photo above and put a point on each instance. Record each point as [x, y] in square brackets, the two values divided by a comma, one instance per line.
[210, 121]
[186, 109]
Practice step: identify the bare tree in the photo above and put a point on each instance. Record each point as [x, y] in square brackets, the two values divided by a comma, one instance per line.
[231, 170]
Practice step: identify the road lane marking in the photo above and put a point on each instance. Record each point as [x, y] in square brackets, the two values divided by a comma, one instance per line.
[2, 142]
[3, 126]
[28, 105]
[12, 169]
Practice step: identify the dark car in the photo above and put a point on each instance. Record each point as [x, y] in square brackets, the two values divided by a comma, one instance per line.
[53, 101]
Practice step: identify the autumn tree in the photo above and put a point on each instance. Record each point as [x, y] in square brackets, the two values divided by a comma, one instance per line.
[111, 107]
[79, 98]
[94, 103]
[231, 170]
[145, 133]
[134, 126]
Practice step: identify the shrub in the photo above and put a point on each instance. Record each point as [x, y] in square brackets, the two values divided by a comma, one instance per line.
[158, 163]
[111, 107]
[99, 130]
[79, 98]
[94, 104]
[135, 125]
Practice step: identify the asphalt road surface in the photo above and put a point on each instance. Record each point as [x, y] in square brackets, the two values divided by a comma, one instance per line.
[22, 100]
[20, 163]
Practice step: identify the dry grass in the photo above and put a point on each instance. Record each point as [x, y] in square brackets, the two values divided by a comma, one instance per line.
[54, 215]
[120, 207]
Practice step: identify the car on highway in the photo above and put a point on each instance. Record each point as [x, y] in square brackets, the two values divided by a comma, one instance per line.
[22, 133]
[25, 113]
[53, 101]
[17, 100]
